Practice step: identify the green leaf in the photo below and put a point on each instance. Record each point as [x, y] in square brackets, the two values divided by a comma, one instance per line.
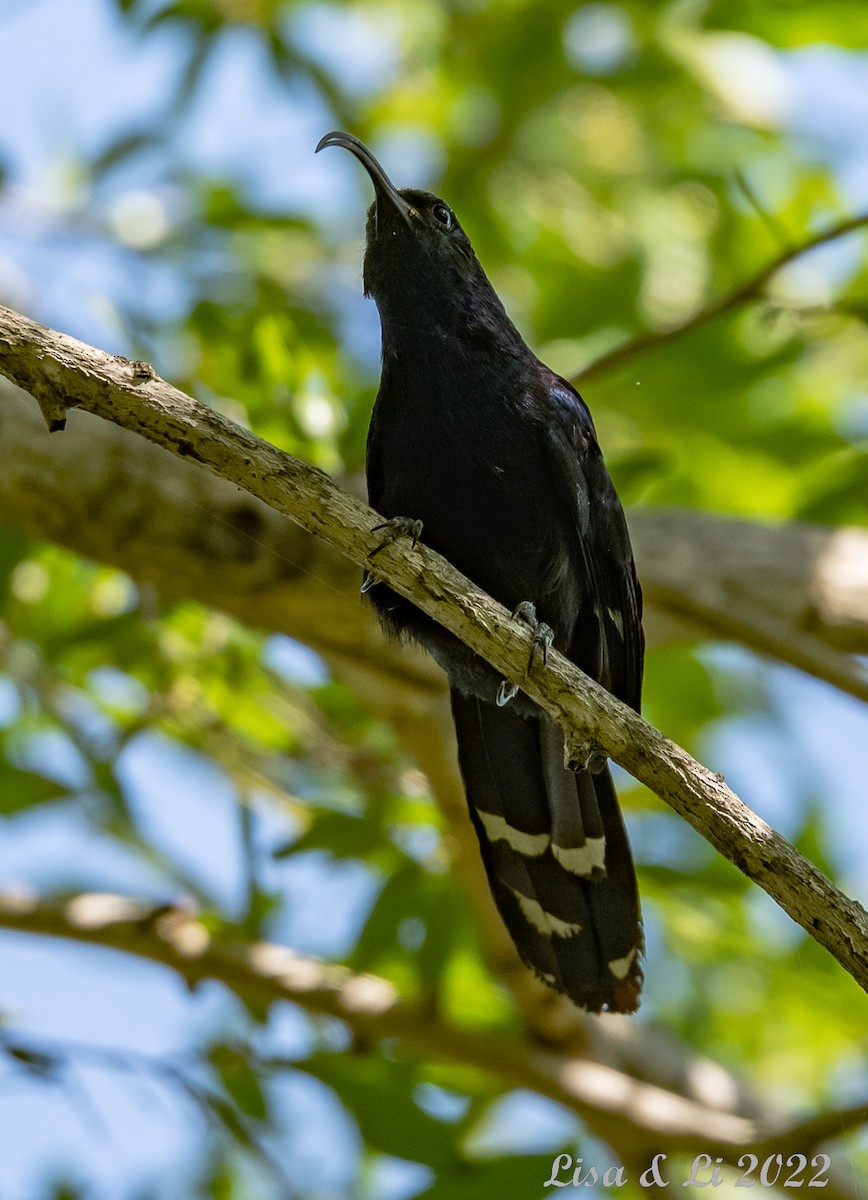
[121, 149]
[492, 1179]
[14, 547]
[379, 1095]
[340, 834]
[240, 1080]
[20, 790]
[228, 1116]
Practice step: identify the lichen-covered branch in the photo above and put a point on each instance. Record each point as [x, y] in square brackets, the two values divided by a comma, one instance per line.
[62, 373]
[192, 534]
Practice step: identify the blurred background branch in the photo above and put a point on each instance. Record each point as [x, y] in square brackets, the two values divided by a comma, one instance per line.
[746, 292]
[636, 1117]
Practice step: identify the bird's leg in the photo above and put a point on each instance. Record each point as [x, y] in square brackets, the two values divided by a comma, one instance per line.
[543, 636]
[393, 529]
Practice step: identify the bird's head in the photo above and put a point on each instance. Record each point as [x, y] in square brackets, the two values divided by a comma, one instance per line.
[419, 265]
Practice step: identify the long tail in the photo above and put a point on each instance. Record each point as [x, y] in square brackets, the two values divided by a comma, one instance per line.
[556, 852]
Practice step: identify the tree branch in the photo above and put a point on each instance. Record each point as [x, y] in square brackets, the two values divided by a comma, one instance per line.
[619, 1108]
[64, 373]
[192, 535]
[795, 592]
[739, 622]
[751, 289]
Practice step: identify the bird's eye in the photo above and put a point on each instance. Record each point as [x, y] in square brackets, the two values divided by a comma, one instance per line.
[443, 215]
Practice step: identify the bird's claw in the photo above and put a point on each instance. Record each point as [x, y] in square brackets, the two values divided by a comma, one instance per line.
[543, 637]
[396, 528]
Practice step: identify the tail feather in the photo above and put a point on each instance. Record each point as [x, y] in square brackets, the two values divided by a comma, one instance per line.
[556, 853]
[578, 834]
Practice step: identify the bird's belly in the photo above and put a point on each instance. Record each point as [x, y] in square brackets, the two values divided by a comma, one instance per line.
[490, 508]
[492, 520]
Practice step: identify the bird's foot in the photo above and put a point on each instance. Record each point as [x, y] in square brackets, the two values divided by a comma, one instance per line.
[543, 636]
[392, 530]
[397, 528]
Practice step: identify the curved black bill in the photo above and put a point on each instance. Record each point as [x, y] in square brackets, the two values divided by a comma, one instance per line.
[383, 186]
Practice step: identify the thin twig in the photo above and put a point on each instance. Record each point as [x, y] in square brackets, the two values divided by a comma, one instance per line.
[645, 343]
[771, 222]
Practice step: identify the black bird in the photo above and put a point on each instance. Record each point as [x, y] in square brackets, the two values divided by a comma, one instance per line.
[497, 457]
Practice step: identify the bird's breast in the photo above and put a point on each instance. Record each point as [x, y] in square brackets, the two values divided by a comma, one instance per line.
[467, 462]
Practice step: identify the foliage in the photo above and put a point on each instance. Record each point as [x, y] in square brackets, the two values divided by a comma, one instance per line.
[617, 167]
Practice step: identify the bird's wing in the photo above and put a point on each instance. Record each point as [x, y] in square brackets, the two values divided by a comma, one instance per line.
[607, 634]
